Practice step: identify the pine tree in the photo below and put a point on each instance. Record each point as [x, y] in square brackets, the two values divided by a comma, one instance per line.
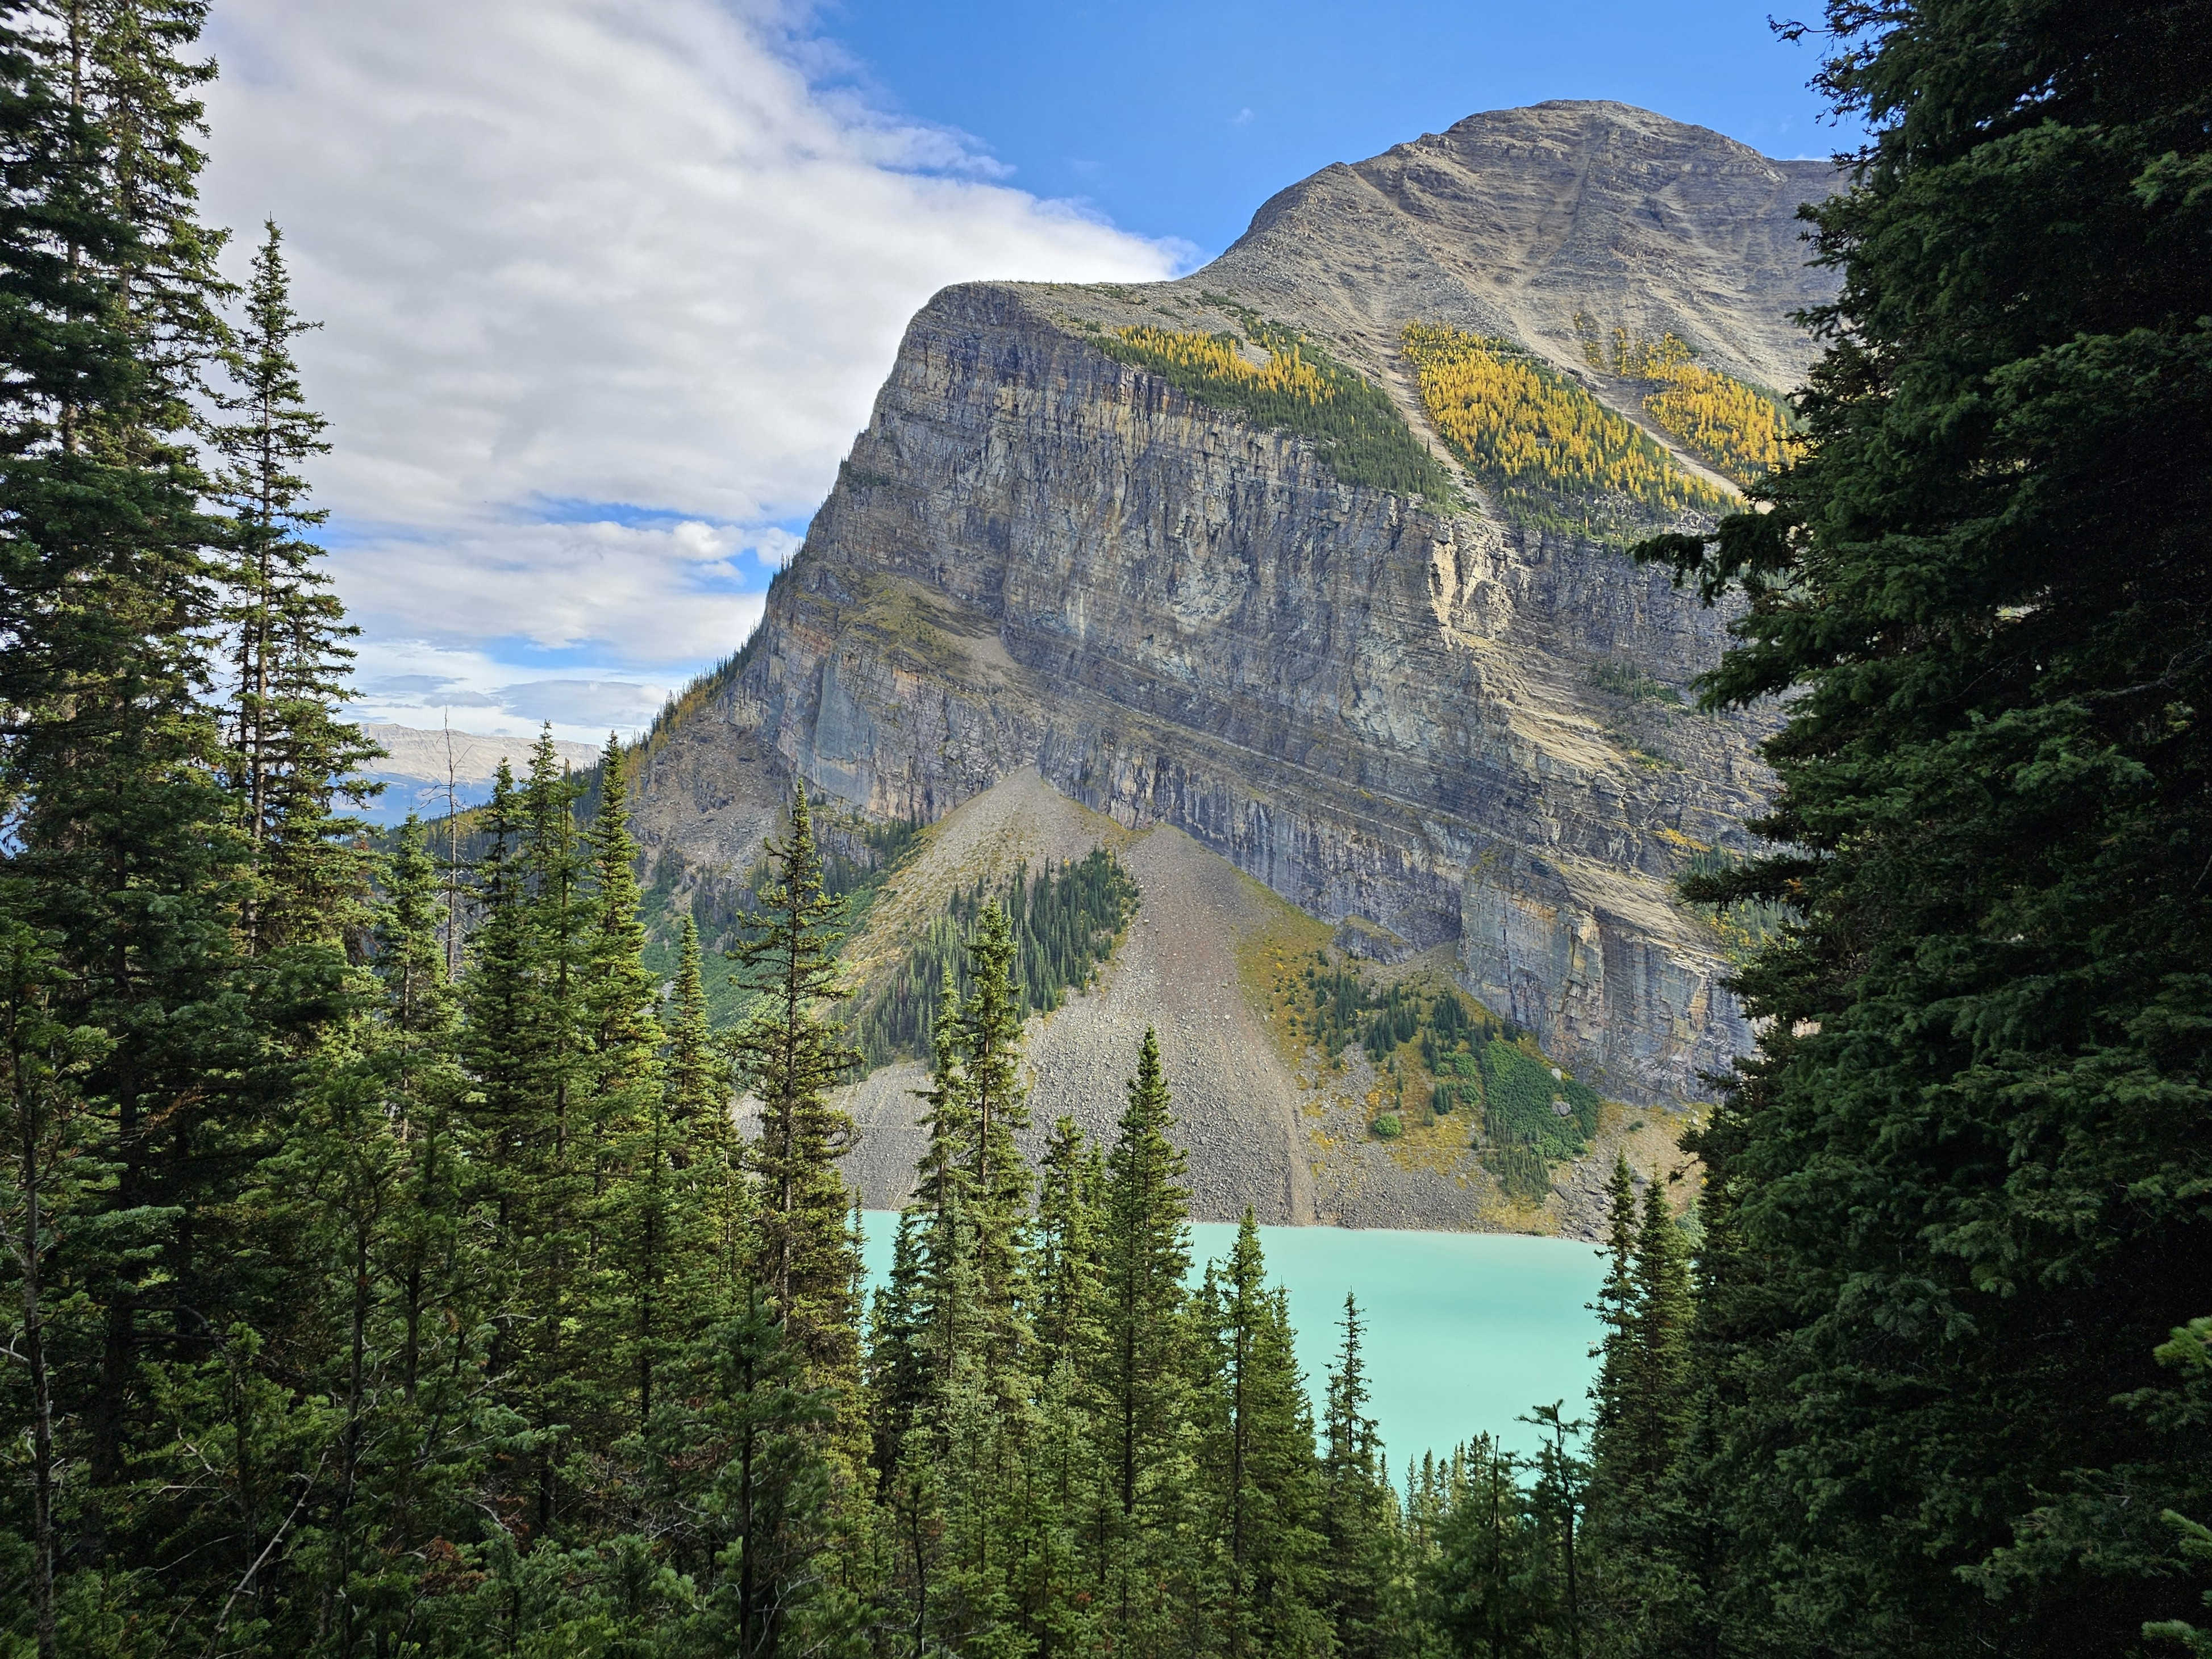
[1257, 1465]
[1964, 1167]
[1142, 1376]
[1357, 1503]
[288, 755]
[792, 1056]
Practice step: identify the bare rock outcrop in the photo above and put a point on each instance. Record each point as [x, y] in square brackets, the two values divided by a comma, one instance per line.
[1388, 712]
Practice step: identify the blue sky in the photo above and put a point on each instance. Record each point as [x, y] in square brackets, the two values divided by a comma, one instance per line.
[1178, 119]
[608, 286]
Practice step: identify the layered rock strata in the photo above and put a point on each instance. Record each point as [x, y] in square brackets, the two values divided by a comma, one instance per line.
[1392, 713]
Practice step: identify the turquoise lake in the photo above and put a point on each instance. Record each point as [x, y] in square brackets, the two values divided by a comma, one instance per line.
[1464, 1331]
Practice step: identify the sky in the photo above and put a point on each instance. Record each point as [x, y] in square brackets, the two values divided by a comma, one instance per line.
[607, 287]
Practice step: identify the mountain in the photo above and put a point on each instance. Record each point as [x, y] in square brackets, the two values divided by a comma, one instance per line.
[419, 766]
[1311, 562]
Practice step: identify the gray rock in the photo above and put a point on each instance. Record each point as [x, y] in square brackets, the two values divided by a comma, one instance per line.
[1036, 555]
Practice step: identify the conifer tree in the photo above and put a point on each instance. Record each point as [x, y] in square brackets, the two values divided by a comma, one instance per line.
[1142, 1375]
[1615, 1305]
[1491, 1587]
[553, 859]
[899, 1361]
[651, 1232]
[53, 1180]
[288, 755]
[698, 1087]
[518, 1045]
[1963, 1226]
[1065, 1280]
[793, 1055]
[1649, 1432]
[988, 1032]
[1357, 1504]
[767, 1586]
[1257, 1465]
[695, 1073]
[119, 835]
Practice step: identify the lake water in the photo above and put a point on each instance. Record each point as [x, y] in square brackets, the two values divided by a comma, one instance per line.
[1464, 1331]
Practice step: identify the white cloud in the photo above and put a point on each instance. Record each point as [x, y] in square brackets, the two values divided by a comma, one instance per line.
[772, 545]
[585, 251]
[420, 684]
[662, 593]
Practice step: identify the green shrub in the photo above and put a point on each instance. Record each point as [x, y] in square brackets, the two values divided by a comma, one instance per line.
[1388, 1126]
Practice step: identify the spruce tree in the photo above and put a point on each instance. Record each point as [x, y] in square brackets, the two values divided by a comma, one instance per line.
[756, 1518]
[698, 1078]
[696, 1073]
[989, 1033]
[55, 1173]
[1491, 1587]
[1966, 1167]
[1615, 1308]
[1649, 1429]
[518, 1046]
[1065, 1280]
[1258, 1470]
[288, 755]
[1357, 1518]
[120, 854]
[792, 1054]
[650, 1234]
[1142, 1377]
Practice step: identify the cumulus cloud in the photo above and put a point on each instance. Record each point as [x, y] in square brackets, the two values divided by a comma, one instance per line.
[602, 705]
[596, 251]
[661, 593]
[426, 685]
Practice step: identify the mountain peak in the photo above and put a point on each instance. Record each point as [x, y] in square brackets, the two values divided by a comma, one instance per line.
[1515, 221]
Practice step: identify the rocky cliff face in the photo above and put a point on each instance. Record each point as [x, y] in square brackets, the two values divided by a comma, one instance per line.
[1391, 714]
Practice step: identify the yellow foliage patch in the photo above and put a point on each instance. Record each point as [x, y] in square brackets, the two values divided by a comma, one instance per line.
[1739, 429]
[1218, 357]
[1542, 441]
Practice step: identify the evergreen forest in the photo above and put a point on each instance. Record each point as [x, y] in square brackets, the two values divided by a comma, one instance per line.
[389, 1274]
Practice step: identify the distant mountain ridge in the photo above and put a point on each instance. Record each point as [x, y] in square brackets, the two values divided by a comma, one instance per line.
[1432, 723]
[414, 768]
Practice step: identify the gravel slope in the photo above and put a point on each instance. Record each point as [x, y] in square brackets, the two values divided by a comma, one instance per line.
[1263, 1125]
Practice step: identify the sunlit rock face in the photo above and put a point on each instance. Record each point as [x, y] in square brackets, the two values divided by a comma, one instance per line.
[1392, 712]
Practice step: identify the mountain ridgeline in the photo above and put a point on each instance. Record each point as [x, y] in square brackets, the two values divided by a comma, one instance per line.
[1316, 557]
